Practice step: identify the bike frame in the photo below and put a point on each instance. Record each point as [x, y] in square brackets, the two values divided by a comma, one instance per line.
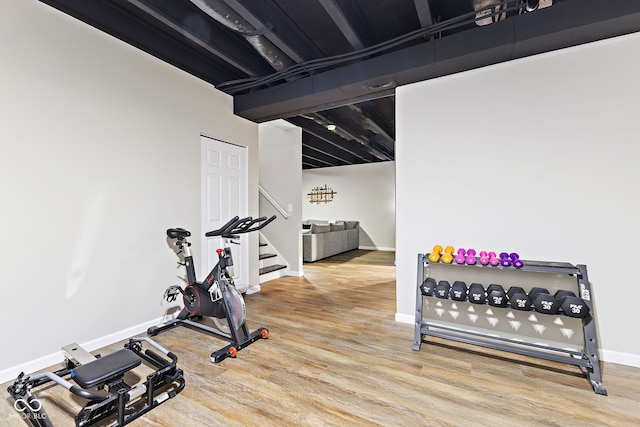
[216, 285]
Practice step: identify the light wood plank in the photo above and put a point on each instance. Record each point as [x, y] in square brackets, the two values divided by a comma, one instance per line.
[336, 357]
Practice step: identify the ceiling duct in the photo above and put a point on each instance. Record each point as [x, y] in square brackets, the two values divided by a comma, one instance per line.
[227, 16]
[490, 11]
[531, 5]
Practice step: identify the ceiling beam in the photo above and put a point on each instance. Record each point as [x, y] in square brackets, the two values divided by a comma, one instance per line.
[346, 132]
[423, 9]
[127, 21]
[191, 36]
[318, 131]
[370, 124]
[565, 24]
[264, 29]
[338, 17]
[328, 160]
[309, 163]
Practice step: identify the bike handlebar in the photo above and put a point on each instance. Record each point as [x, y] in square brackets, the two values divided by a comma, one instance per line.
[224, 227]
[237, 225]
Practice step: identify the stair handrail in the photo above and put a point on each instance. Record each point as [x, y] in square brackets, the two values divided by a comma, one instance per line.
[273, 202]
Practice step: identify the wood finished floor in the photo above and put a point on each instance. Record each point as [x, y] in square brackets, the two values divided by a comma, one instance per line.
[336, 357]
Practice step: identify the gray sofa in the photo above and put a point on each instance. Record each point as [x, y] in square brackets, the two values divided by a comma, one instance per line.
[321, 239]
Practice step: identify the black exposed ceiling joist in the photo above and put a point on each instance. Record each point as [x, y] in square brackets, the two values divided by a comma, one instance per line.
[311, 153]
[332, 153]
[423, 9]
[565, 24]
[308, 163]
[343, 24]
[125, 21]
[269, 35]
[318, 131]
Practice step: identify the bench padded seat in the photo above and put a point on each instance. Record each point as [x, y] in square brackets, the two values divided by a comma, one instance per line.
[105, 368]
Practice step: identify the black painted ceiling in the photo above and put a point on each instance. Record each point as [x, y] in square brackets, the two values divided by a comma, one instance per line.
[321, 62]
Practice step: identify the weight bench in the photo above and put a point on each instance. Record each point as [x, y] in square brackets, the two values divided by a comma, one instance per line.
[94, 371]
[90, 372]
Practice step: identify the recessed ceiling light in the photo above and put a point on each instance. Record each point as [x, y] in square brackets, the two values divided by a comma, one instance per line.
[331, 127]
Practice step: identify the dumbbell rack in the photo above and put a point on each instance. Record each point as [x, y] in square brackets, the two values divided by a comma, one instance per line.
[552, 275]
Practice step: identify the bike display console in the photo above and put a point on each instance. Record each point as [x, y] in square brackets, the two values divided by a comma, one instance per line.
[556, 337]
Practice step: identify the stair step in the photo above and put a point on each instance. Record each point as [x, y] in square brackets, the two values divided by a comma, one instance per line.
[271, 268]
[265, 256]
[262, 244]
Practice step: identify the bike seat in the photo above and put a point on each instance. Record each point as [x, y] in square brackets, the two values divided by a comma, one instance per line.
[105, 368]
[178, 233]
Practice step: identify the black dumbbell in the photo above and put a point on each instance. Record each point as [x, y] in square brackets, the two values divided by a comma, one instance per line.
[543, 301]
[535, 291]
[562, 294]
[496, 296]
[442, 289]
[518, 299]
[515, 290]
[477, 293]
[428, 287]
[571, 305]
[458, 291]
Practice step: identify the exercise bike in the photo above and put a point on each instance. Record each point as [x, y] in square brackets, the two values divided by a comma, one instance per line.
[91, 373]
[217, 296]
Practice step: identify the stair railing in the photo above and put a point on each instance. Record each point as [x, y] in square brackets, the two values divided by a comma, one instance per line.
[273, 202]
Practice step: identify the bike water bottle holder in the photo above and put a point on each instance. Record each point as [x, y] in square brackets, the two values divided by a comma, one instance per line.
[214, 292]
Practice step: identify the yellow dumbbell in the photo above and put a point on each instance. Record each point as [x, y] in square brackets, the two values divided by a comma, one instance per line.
[434, 256]
[447, 257]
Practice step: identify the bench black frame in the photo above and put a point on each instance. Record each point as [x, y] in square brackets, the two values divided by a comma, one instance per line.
[126, 402]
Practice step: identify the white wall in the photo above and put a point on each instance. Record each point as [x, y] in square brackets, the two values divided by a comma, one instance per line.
[100, 145]
[366, 193]
[281, 176]
[538, 156]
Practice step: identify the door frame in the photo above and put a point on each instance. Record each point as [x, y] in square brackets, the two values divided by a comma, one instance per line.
[241, 252]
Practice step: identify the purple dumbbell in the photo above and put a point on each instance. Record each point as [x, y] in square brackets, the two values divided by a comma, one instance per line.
[493, 259]
[484, 258]
[471, 256]
[460, 258]
[505, 261]
[515, 260]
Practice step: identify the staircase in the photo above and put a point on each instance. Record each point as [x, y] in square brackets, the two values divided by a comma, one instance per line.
[271, 264]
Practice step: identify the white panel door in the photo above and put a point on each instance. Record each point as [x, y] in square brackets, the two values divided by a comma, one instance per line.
[224, 195]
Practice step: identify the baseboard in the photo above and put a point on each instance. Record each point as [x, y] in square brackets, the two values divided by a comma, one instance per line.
[294, 273]
[627, 359]
[58, 357]
[608, 356]
[405, 318]
[252, 290]
[376, 248]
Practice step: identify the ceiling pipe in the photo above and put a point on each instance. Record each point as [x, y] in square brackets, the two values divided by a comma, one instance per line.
[566, 24]
[189, 35]
[227, 16]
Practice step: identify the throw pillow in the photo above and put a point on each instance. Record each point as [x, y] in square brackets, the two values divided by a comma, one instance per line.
[318, 228]
[351, 224]
[339, 226]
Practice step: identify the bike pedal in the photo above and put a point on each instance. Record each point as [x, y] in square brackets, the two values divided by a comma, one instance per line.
[172, 292]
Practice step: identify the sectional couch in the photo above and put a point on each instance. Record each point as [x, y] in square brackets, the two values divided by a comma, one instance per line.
[322, 239]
